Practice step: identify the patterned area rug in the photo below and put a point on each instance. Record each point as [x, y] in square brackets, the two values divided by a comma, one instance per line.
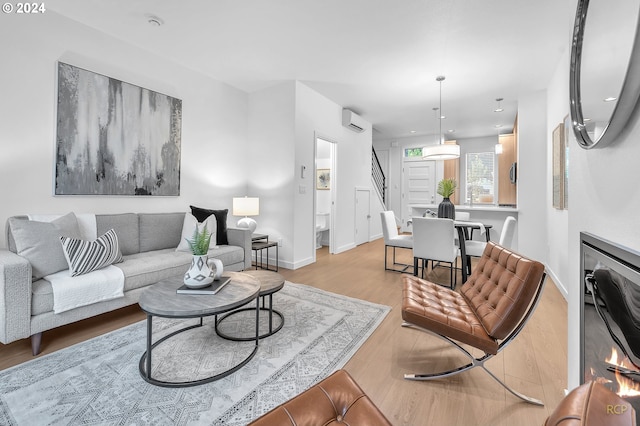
[97, 382]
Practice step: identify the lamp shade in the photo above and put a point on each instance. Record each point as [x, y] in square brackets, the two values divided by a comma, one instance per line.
[441, 152]
[246, 206]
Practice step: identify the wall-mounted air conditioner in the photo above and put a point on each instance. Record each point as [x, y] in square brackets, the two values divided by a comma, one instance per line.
[353, 121]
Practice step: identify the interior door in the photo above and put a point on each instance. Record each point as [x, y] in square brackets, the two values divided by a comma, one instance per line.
[418, 186]
[363, 215]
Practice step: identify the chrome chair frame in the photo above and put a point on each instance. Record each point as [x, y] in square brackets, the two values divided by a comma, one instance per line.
[479, 362]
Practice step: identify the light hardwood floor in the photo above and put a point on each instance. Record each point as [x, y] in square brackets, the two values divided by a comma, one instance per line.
[534, 364]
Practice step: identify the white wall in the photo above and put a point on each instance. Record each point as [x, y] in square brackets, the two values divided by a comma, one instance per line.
[532, 176]
[283, 125]
[270, 164]
[318, 116]
[214, 126]
[604, 199]
[558, 220]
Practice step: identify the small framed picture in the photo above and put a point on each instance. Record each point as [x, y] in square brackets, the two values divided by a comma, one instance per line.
[323, 179]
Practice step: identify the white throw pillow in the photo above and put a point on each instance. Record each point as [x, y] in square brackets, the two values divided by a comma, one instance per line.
[189, 227]
[86, 256]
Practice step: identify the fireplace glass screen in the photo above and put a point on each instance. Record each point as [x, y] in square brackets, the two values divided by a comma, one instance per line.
[610, 317]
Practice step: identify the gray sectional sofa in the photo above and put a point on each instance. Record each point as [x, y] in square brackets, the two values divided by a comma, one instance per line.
[148, 243]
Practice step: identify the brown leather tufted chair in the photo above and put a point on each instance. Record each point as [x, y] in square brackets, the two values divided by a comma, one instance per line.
[336, 400]
[490, 310]
[592, 404]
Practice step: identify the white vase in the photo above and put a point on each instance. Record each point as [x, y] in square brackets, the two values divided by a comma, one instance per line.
[200, 274]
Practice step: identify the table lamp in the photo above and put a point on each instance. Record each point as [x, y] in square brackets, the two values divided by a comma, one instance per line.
[246, 206]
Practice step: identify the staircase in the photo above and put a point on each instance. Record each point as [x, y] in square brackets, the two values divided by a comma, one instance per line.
[378, 177]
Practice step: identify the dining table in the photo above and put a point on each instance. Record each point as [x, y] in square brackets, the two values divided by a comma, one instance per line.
[465, 232]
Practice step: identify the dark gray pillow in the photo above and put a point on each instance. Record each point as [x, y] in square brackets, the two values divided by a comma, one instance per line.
[39, 242]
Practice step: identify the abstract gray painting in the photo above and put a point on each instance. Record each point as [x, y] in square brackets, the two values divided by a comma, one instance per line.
[114, 138]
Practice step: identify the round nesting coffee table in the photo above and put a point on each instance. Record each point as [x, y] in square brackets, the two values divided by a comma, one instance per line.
[270, 283]
[161, 300]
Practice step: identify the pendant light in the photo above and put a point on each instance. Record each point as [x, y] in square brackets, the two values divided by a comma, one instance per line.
[441, 151]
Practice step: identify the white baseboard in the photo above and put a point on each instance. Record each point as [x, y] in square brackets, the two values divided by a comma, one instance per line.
[345, 248]
[561, 287]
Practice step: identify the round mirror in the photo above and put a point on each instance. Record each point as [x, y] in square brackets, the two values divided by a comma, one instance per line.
[605, 69]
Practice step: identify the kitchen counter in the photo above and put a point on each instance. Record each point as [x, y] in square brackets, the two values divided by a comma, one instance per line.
[467, 208]
[488, 214]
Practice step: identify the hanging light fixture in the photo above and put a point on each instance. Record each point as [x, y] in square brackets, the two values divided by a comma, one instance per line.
[499, 109]
[441, 151]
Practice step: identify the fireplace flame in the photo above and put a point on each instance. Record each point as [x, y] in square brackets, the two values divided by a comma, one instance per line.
[626, 386]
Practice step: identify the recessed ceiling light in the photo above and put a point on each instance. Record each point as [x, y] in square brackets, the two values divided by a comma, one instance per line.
[451, 130]
[499, 109]
[497, 126]
[610, 99]
[412, 131]
[154, 20]
[586, 119]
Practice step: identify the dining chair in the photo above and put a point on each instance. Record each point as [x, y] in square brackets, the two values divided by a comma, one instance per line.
[394, 240]
[475, 248]
[433, 239]
[463, 216]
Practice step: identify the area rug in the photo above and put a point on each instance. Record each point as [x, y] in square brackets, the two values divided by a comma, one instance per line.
[97, 382]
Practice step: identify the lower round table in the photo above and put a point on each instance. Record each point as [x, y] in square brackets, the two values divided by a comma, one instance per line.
[161, 300]
[270, 283]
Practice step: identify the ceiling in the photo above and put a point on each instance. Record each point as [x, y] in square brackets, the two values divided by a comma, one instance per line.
[379, 58]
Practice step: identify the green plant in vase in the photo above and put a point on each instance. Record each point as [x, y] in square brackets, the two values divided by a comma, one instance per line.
[199, 243]
[199, 273]
[446, 188]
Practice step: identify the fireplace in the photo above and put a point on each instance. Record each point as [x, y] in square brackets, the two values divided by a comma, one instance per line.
[610, 316]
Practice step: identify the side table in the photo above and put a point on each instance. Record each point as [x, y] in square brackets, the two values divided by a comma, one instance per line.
[260, 246]
[270, 283]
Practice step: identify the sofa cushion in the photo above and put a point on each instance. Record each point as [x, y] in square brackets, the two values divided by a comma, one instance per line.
[189, 227]
[42, 297]
[39, 242]
[145, 268]
[127, 229]
[160, 230]
[86, 256]
[221, 218]
[228, 255]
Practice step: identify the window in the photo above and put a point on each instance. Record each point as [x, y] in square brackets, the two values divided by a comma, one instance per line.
[480, 178]
[413, 152]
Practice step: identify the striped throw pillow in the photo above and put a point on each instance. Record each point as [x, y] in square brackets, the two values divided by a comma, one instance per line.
[86, 256]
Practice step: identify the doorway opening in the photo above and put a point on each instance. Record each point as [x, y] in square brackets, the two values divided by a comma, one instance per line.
[324, 194]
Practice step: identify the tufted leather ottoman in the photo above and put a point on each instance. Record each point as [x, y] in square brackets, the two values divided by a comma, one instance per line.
[335, 400]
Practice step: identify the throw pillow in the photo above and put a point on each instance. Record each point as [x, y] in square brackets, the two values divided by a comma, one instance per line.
[221, 218]
[39, 242]
[189, 226]
[86, 256]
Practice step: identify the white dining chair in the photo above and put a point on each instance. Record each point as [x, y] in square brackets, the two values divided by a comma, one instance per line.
[475, 248]
[394, 240]
[463, 216]
[433, 239]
